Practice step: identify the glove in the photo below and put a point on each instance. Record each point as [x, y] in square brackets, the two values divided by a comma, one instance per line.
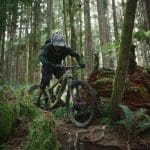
[82, 65]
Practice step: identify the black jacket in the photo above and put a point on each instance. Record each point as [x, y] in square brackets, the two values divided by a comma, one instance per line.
[48, 54]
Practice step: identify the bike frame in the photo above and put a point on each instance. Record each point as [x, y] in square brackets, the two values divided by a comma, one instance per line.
[63, 80]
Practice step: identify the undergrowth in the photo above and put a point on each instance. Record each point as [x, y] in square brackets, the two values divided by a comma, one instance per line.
[135, 122]
[19, 117]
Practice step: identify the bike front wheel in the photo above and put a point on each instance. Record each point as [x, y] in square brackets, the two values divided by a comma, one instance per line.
[81, 103]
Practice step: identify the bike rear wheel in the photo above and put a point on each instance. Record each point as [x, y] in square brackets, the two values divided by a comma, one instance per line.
[81, 103]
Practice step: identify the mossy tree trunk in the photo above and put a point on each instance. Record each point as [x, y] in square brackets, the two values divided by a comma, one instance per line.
[124, 53]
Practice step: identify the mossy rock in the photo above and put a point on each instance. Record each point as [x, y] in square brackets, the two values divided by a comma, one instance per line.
[104, 80]
[144, 92]
[18, 114]
[42, 134]
[8, 113]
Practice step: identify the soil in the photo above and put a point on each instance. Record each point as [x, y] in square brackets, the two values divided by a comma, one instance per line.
[137, 90]
[97, 137]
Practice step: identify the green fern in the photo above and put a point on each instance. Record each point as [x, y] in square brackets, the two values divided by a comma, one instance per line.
[134, 122]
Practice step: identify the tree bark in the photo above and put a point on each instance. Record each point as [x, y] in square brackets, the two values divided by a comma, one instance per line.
[65, 21]
[30, 67]
[11, 34]
[115, 21]
[147, 5]
[89, 53]
[72, 25]
[104, 32]
[124, 53]
[49, 17]
[36, 40]
[2, 34]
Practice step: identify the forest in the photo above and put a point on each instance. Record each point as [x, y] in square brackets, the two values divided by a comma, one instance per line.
[104, 106]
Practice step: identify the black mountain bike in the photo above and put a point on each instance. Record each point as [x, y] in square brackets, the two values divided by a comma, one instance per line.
[80, 100]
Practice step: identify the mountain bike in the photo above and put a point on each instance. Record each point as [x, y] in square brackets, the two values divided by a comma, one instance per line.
[80, 98]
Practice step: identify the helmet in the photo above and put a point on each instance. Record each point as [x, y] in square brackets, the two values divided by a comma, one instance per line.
[58, 39]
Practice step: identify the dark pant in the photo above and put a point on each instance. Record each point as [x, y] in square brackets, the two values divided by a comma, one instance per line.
[47, 72]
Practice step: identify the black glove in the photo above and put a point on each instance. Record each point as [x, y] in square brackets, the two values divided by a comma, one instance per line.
[82, 65]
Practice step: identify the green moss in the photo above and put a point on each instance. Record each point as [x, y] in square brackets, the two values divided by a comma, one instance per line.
[144, 92]
[42, 135]
[8, 112]
[104, 80]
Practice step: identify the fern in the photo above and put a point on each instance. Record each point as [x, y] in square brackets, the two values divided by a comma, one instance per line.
[134, 122]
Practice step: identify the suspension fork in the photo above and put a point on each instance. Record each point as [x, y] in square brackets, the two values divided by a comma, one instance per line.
[70, 82]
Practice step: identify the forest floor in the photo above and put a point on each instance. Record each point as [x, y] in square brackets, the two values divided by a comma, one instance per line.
[98, 137]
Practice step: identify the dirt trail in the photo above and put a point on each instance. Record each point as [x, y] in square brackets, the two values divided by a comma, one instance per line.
[96, 137]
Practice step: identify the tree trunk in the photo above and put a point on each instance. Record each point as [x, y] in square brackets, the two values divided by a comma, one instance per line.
[2, 34]
[65, 21]
[11, 33]
[30, 66]
[124, 53]
[104, 34]
[147, 5]
[115, 21]
[89, 53]
[132, 60]
[49, 17]
[144, 44]
[18, 50]
[36, 40]
[26, 52]
[72, 25]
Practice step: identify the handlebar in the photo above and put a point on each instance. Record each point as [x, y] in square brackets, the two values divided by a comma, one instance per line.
[75, 67]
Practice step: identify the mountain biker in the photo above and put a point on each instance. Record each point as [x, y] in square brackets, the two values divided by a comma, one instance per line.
[51, 57]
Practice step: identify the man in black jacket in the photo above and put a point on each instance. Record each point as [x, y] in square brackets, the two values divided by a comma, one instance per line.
[51, 57]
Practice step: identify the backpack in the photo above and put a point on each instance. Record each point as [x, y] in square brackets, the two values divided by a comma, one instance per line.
[47, 41]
